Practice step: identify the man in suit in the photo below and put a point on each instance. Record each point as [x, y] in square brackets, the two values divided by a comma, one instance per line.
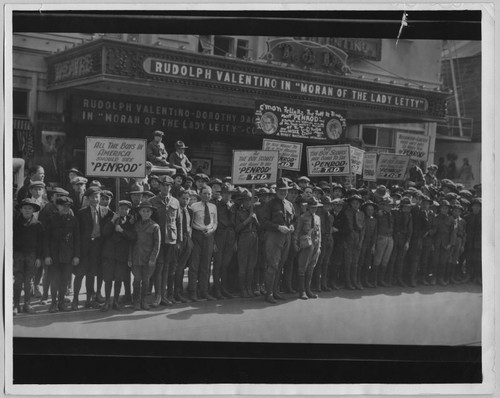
[91, 220]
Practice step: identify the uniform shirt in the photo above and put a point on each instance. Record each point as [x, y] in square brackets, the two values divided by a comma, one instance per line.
[460, 228]
[421, 222]
[225, 215]
[147, 245]
[180, 161]
[167, 216]
[385, 222]
[156, 152]
[277, 213]
[443, 230]
[198, 209]
[241, 215]
[403, 225]
[350, 221]
[309, 224]
[370, 230]
[431, 179]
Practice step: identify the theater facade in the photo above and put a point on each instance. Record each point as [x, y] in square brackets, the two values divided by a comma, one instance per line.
[355, 91]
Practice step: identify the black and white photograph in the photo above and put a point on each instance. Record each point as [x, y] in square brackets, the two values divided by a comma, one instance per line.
[242, 198]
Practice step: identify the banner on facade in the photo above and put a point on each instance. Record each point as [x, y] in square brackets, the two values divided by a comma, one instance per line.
[370, 166]
[331, 160]
[391, 166]
[290, 153]
[255, 167]
[282, 120]
[357, 156]
[115, 157]
[416, 146]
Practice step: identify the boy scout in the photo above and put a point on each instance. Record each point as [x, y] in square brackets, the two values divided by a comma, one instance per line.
[454, 275]
[28, 243]
[443, 237]
[320, 275]
[62, 251]
[473, 242]
[368, 239]
[420, 243]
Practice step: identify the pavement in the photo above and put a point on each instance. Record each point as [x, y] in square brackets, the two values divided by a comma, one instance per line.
[425, 315]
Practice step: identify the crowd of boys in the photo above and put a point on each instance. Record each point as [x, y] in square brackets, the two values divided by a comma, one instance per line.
[291, 237]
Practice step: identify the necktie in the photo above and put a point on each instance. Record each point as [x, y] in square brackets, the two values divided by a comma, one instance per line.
[184, 223]
[95, 218]
[207, 215]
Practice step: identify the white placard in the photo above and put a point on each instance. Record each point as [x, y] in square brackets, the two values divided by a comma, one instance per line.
[255, 167]
[115, 157]
[330, 160]
[416, 146]
[370, 166]
[391, 166]
[357, 156]
[290, 153]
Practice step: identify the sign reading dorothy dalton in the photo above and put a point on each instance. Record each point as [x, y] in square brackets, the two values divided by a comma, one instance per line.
[164, 67]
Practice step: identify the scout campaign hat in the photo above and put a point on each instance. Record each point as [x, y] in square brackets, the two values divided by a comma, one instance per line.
[444, 203]
[449, 184]
[37, 184]
[74, 170]
[263, 191]
[318, 189]
[64, 200]
[363, 191]
[354, 197]
[79, 180]
[405, 202]
[154, 177]
[295, 187]
[28, 202]
[95, 183]
[227, 179]
[189, 178]
[201, 176]
[313, 202]
[338, 202]
[464, 202]
[242, 194]
[425, 198]
[226, 188]
[92, 190]
[476, 201]
[386, 200]
[303, 178]
[145, 204]
[396, 196]
[369, 203]
[381, 192]
[351, 191]
[125, 203]
[159, 133]
[180, 145]
[282, 184]
[338, 186]
[397, 188]
[326, 200]
[432, 167]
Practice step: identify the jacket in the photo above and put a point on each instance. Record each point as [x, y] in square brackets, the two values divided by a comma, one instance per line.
[116, 244]
[147, 245]
[277, 213]
[62, 238]
[86, 226]
[443, 231]
[473, 231]
[308, 226]
[166, 215]
[28, 236]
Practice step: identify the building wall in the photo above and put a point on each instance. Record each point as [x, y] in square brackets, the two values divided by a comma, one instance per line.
[471, 151]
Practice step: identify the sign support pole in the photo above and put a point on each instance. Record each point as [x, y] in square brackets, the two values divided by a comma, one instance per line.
[117, 190]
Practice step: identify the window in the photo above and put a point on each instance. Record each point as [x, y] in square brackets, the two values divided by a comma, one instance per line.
[370, 136]
[242, 49]
[223, 45]
[20, 103]
[384, 137]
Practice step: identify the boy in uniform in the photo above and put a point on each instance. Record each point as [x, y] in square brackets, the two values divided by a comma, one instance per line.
[443, 238]
[320, 275]
[28, 250]
[62, 251]
[458, 246]
[368, 240]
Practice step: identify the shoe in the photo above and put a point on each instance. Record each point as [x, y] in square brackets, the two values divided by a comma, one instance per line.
[369, 285]
[425, 283]
[210, 298]
[36, 292]
[358, 286]
[250, 293]
[278, 296]
[156, 301]
[193, 298]
[69, 292]
[166, 301]
[244, 294]
[262, 290]
[137, 305]
[226, 294]
[145, 305]
[74, 305]
[256, 292]
[99, 299]
[311, 295]
[270, 299]
[63, 307]
[402, 284]
[181, 299]
[303, 296]
[127, 299]
[53, 307]
[325, 288]
[218, 295]
[107, 305]
[43, 301]
[117, 306]
[28, 309]
[384, 284]
[413, 284]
